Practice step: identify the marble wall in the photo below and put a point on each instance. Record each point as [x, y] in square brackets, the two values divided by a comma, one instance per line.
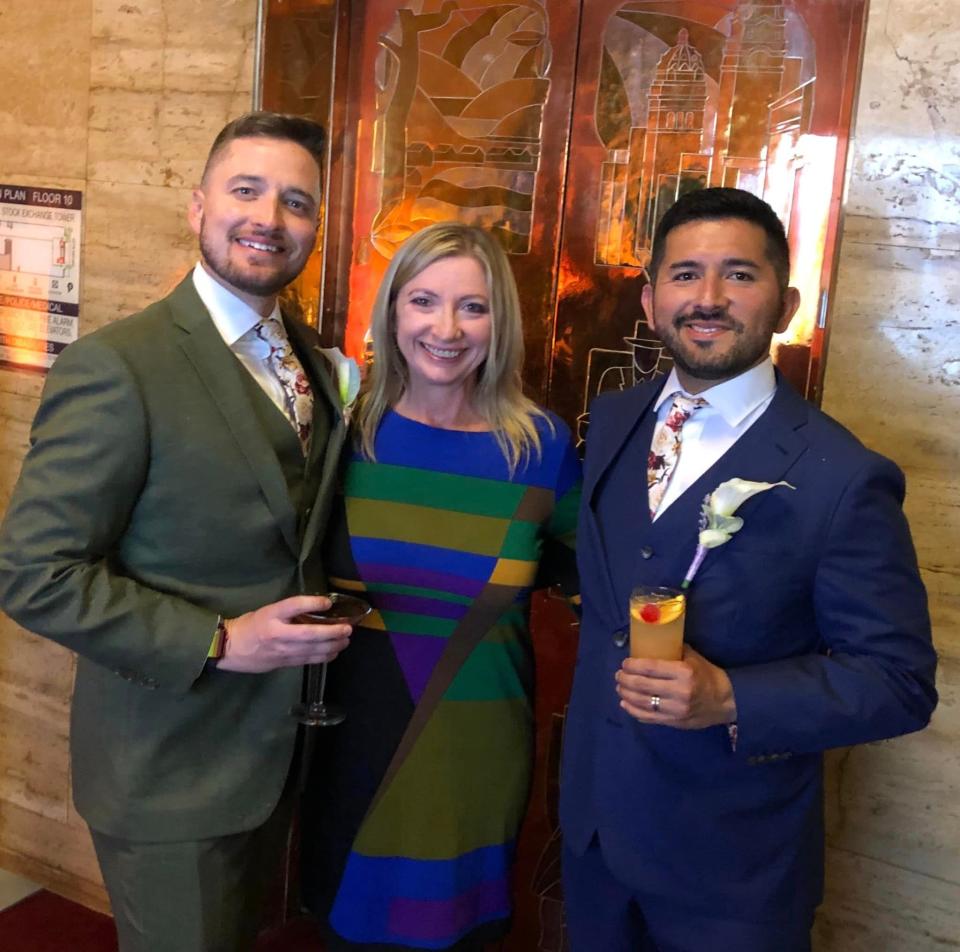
[120, 99]
[893, 376]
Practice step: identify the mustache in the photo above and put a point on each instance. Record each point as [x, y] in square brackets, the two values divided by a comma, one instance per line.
[715, 315]
[259, 233]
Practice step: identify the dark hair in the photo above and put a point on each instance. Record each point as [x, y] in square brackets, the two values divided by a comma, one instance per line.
[270, 125]
[711, 204]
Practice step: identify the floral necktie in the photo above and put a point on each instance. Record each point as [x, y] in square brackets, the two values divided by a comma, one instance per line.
[289, 372]
[665, 448]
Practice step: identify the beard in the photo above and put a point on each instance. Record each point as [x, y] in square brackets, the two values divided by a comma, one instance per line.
[258, 282]
[699, 359]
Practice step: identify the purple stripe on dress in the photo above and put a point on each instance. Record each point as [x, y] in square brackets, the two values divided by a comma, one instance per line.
[421, 578]
[418, 656]
[419, 605]
[432, 920]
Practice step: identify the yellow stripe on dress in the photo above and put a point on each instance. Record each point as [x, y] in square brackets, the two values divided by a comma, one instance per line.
[514, 572]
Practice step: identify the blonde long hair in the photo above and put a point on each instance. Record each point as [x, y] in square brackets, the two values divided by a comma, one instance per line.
[498, 396]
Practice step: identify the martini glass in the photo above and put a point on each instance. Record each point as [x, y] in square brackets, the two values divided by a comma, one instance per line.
[314, 711]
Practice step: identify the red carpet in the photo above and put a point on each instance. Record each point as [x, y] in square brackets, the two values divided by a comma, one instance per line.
[45, 922]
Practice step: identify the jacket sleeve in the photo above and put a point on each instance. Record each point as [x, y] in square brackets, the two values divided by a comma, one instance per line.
[873, 677]
[60, 575]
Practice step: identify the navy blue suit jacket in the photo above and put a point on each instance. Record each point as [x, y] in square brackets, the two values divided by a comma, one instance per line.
[816, 611]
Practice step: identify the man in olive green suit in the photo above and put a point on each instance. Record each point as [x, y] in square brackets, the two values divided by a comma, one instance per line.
[165, 527]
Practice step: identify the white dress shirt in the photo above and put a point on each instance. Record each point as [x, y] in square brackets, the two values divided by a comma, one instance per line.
[235, 320]
[733, 407]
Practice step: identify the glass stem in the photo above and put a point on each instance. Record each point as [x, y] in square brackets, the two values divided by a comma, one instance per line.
[323, 682]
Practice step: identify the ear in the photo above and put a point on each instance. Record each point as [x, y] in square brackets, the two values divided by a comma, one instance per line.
[195, 210]
[791, 301]
[646, 300]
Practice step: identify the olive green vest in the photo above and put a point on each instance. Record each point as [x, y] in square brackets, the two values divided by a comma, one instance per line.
[302, 475]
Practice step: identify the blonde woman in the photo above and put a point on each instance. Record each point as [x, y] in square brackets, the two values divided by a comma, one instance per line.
[458, 485]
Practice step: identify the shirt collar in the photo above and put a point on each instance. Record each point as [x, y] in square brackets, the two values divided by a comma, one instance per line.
[232, 317]
[733, 399]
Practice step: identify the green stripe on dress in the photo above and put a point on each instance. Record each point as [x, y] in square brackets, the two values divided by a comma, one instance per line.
[395, 588]
[414, 624]
[447, 491]
[493, 671]
[521, 541]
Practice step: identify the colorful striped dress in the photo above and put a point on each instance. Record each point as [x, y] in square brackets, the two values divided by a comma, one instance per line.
[412, 811]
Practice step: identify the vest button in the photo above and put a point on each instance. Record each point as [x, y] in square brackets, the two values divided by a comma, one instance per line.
[646, 552]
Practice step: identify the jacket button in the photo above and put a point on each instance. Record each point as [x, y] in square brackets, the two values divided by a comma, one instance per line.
[646, 552]
[621, 636]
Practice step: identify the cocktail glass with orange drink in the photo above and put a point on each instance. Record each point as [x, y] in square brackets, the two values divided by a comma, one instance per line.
[656, 622]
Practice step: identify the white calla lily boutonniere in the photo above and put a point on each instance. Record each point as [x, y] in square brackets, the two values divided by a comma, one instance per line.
[717, 519]
[346, 372]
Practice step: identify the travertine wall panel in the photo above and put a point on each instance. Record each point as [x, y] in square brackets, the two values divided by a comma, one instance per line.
[44, 65]
[896, 801]
[36, 776]
[127, 225]
[910, 98]
[55, 854]
[878, 907]
[894, 342]
[893, 376]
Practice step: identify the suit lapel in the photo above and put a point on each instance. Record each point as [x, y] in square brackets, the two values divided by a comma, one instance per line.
[765, 453]
[619, 430]
[326, 400]
[220, 371]
[603, 452]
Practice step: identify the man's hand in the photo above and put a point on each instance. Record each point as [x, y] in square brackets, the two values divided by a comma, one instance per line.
[270, 638]
[693, 692]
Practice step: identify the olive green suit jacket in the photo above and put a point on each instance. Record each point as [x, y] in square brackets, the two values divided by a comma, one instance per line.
[150, 502]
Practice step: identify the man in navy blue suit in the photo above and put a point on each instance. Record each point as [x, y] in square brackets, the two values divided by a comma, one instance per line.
[691, 796]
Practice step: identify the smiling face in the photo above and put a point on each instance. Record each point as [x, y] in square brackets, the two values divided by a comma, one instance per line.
[715, 301]
[443, 327]
[256, 216]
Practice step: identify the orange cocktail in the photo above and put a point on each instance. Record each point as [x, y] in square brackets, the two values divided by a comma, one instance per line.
[656, 623]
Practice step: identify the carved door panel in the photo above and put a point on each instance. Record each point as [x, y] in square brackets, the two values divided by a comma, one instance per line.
[671, 97]
[463, 114]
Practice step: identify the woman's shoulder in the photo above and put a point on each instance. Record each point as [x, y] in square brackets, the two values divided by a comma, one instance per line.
[552, 429]
[557, 462]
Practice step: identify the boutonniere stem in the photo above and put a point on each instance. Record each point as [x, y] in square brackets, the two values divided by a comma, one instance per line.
[717, 519]
[346, 372]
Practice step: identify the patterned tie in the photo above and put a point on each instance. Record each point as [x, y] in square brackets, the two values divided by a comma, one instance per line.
[289, 372]
[665, 448]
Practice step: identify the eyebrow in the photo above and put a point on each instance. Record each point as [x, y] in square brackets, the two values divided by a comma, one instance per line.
[462, 297]
[727, 263]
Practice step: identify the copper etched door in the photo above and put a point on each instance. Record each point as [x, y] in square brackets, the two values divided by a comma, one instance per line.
[567, 129]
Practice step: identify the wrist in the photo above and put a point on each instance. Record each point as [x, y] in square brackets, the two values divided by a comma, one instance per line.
[729, 703]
